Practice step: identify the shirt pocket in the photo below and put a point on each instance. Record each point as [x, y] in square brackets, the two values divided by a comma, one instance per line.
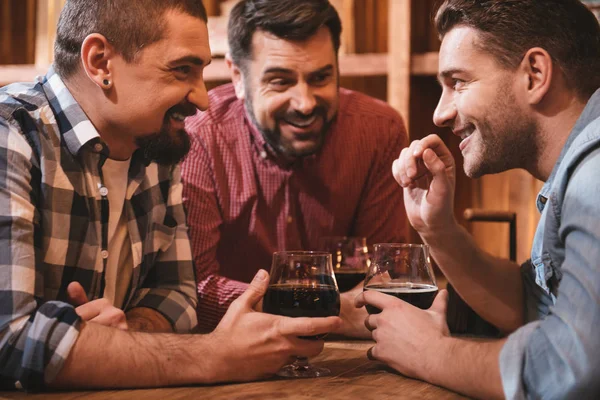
[162, 237]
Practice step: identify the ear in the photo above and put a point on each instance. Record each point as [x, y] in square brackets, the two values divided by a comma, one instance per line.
[96, 57]
[237, 77]
[538, 67]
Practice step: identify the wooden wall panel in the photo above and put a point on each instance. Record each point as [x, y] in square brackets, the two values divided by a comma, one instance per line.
[515, 191]
[17, 31]
[47, 19]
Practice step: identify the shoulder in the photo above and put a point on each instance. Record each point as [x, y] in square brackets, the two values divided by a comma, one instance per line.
[577, 178]
[21, 96]
[224, 108]
[359, 104]
[23, 111]
[370, 121]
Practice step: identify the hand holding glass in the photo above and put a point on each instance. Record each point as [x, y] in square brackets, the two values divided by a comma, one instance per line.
[404, 271]
[302, 284]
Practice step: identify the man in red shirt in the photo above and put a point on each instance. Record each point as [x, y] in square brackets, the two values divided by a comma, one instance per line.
[283, 156]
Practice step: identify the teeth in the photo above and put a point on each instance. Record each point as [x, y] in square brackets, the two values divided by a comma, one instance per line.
[303, 123]
[465, 135]
[178, 117]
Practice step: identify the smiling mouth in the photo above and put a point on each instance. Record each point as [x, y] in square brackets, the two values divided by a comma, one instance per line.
[178, 116]
[463, 132]
[303, 123]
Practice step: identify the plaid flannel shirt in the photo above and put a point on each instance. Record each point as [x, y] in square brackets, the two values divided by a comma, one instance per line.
[53, 223]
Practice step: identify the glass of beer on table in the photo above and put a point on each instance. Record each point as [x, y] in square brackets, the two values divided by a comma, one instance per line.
[350, 258]
[302, 284]
[403, 271]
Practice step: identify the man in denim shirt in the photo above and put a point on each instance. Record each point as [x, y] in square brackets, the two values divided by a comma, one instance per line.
[520, 86]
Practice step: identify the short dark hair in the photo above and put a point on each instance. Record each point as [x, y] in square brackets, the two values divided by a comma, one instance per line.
[566, 29]
[295, 20]
[129, 26]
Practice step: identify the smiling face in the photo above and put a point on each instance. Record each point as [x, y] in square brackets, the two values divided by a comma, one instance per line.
[480, 103]
[153, 95]
[291, 91]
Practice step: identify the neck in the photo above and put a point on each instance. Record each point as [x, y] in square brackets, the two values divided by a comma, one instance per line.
[96, 105]
[554, 127]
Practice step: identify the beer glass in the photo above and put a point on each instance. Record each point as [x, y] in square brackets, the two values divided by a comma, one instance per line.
[302, 284]
[350, 258]
[403, 271]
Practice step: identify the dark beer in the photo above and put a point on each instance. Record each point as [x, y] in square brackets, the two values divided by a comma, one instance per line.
[347, 280]
[302, 300]
[418, 295]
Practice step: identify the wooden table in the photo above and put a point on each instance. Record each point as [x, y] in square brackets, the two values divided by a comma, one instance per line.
[353, 377]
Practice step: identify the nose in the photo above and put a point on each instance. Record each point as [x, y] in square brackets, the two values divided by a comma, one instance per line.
[304, 100]
[198, 95]
[445, 112]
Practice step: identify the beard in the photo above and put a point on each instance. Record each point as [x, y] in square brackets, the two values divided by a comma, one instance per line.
[505, 143]
[284, 146]
[167, 147]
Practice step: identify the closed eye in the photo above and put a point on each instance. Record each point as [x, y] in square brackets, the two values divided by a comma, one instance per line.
[183, 69]
[321, 79]
[457, 83]
[280, 83]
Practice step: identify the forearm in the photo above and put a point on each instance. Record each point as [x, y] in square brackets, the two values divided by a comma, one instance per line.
[145, 319]
[105, 357]
[467, 366]
[493, 287]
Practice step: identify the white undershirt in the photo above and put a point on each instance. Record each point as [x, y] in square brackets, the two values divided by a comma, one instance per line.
[119, 265]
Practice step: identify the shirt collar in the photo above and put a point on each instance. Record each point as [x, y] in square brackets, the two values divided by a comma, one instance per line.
[74, 125]
[590, 112]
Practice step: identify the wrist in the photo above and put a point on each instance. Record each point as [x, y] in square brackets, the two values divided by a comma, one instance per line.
[211, 361]
[438, 356]
[441, 232]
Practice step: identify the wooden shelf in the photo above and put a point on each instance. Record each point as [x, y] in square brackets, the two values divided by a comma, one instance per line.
[351, 65]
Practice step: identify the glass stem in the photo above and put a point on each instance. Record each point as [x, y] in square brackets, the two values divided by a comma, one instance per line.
[301, 363]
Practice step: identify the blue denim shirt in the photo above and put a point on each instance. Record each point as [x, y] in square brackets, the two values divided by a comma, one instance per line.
[556, 355]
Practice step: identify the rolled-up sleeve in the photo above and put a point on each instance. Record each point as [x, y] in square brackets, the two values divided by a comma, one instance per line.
[35, 336]
[558, 357]
[170, 288]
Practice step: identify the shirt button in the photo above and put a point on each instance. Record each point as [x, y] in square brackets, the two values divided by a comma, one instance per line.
[290, 219]
[103, 191]
[98, 147]
[263, 154]
[104, 254]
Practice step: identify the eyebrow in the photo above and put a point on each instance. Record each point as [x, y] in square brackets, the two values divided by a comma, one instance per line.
[192, 60]
[448, 73]
[280, 70]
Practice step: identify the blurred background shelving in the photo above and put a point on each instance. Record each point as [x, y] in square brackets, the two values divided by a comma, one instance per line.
[389, 51]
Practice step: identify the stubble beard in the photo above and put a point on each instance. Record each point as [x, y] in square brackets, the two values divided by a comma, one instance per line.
[276, 141]
[505, 142]
[165, 147]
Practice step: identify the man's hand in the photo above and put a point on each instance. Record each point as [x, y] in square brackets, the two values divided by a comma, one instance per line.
[353, 318]
[99, 311]
[250, 345]
[406, 337]
[427, 172]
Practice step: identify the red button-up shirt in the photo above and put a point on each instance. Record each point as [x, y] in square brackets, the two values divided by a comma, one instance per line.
[244, 204]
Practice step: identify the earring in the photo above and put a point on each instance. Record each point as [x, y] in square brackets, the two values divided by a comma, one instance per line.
[106, 82]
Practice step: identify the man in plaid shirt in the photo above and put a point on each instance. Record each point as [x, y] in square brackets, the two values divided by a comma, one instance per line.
[96, 252]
